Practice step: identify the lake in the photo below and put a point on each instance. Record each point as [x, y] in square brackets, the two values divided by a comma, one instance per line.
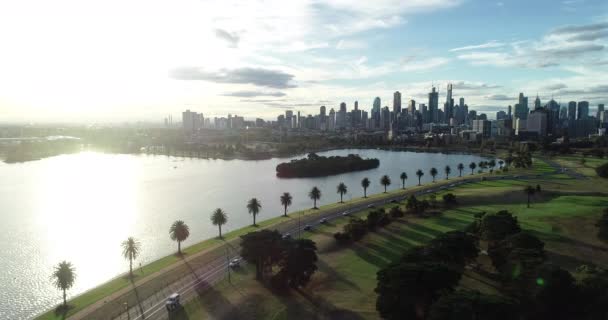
[80, 207]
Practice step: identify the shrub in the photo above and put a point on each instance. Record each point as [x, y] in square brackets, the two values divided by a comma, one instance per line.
[449, 199]
[396, 212]
[602, 170]
[356, 229]
[373, 218]
[384, 220]
[342, 238]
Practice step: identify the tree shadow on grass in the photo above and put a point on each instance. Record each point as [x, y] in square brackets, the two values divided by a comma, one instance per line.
[333, 275]
[62, 310]
[325, 309]
[216, 304]
[138, 299]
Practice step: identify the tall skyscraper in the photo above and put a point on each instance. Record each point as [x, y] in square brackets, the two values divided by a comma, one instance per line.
[411, 108]
[377, 104]
[572, 110]
[356, 105]
[509, 115]
[448, 107]
[537, 103]
[322, 111]
[397, 102]
[433, 106]
[600, 111]
[521, 108]
[583, 110]
[343, 107]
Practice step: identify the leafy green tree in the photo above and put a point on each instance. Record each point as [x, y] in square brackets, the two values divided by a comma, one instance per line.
[299, 263]
[403, 177]
[286, 199]
[467, 305]
[365, 184]
[491, 164]
[419, 173]
[460, 168]
[472, 166]
[602, 225]
[219, 218]
[356, 228]
[496, 227]
[454, 248]
[385, 181]
[341, 189]
[254, 206]
[63, 278]
[263, 249]
[179, 232]
[529, 191]
[433, 173]
[449, 199]
[130, 251]
[500, 164]
[447, 171]
[314, 194]
[558, 296]
[406, 290]
[501, 251]
[482, 165]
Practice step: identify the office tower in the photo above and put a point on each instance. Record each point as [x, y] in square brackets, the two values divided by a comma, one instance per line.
[583, 110]
[600, 111]
[537, 103]
[521, 108]
[191, 121]
[483, 126]
[501, 115]
[411, 107]
[385, 118]
[572, 110]
[343, 106]
[288, 119]
[331, 121]
[448, 107]
[322, 111]
[356, 105]
[397, 102]
[537, 122]
[563, 113]
[377, 104]
[509, 111]
[433, 106]
[425, 112]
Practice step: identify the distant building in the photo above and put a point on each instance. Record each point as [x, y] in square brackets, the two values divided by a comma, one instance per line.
[191, 121]
[521, 108]
[397, 102]
[433, 106]
[537, 122]
[572, 110]
[583, 110]
[501, 115]
[483, 126]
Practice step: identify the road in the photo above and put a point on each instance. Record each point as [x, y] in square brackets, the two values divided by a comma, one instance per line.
[206, 275]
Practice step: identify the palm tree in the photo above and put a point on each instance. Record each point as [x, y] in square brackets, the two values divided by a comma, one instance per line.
[433, 173]
[179, 232]
[500, 163]
[365, 184]
[472, 165]
[492, 164]
[341, 189]
[130, 250]
[286, 201]
[529, 190]
[403, 177]
[447, 171]
[419, 173]
[254, 206]
[481, 165]
[315, 194]
[219, 218]
[63, 278]
[460, 168]
[385, 181]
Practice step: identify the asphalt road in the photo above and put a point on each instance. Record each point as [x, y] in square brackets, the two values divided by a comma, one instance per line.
[203, 276]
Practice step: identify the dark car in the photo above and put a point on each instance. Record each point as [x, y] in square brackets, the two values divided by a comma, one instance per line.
[307, 227]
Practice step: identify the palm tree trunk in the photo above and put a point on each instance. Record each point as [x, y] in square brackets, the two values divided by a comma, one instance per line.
[314, 201]
[254, 219]
[384, 188]
[402, 184]
[131, 266]
[179, 247]
[220, 227]
[418, 180]
[65, 301]
[460, 173]
[341, 198]
[285, 213]
[364, 192]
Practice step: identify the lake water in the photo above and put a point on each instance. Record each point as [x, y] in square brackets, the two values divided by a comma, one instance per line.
[80, 207]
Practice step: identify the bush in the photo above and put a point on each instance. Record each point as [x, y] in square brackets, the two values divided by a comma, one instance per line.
[602, 170]
[373, 217]
[356, 229]
[396, 212]
[449, 199]
[342, 238]
[384, 220]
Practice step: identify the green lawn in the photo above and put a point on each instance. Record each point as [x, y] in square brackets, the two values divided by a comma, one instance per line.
[344, 285]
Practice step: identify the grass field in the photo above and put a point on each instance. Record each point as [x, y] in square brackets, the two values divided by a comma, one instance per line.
[343, 287]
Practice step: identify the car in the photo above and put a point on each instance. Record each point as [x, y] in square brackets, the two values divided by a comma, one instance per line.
[393, 201]
[371, 206]
[345, 213]
[235, 263]
[452, 185]
[286, 236]
[307, 227]
[324, 220]
[172, 302]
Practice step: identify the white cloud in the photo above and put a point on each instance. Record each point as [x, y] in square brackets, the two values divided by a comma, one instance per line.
[487, 45]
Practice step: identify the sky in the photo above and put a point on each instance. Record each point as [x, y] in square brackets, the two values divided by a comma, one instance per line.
[141, 60]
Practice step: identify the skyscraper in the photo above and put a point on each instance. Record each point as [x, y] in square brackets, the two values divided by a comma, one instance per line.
[343, 106]
[537, 103]
[572, 110]
[583, 110]
[600, 111]
[322, 111]
[433, 105]
[397, 102]
[448, 107]
[411, 108]
[356, 105]
[521, 108]
[509, 111]
[377, 104]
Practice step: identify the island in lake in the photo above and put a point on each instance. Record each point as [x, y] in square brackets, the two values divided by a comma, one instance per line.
[317, 166]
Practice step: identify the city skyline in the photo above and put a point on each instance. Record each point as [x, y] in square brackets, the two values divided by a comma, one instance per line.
[64, 63]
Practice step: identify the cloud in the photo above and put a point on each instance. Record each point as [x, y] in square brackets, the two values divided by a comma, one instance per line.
[231, 38]
[580, 33]
[571, 51]
[250, 94]
[487, 45]
[350, 44]
[256, 76]
[467, 85]
[423, 65]
[500, 97]
[583, 28]
[557, 86]
[600, 89]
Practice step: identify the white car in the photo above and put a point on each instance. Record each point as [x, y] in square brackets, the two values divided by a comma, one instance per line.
[172, 302]
[324, 220]
[345, 213]
[234, 263]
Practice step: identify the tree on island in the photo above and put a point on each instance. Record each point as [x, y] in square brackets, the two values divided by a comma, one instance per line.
[314, 194]
[341, 189]
[460, 168]
[433, 173]
[254, 206]
[447, 171]
[219, 218]
[419, 173]
[472, 166]
[365, 184]
[286, 199]
[529, 191]
[130, 251]
[403, 177]
[179, 232]
[63, 278]
[385, 181]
